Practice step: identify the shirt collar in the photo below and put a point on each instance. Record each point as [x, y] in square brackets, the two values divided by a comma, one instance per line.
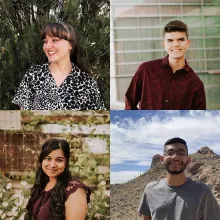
[74, 71]
[165, 61]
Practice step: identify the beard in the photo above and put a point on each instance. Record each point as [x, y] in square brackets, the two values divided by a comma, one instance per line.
[175, 172]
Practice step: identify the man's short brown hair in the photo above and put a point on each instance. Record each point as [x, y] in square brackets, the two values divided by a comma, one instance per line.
[174, 26]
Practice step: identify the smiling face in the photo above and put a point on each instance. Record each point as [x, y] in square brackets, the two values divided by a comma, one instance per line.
[54, 163]
[57, 49]
[176, 44]
[175, 158]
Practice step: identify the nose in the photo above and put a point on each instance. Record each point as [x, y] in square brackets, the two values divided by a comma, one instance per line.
[53, 163]
[47, 45]
[175, 155]
[176, 43]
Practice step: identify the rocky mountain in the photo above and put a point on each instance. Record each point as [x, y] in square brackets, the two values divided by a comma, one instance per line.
[125, 198]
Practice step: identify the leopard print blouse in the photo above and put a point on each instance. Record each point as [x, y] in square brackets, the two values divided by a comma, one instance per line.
[38, 91]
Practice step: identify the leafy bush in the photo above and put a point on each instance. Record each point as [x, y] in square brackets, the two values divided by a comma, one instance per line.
[21, 46]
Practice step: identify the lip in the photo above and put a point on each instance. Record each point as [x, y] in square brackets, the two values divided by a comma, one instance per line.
[50, 53]
[175, 164]
[51, 170]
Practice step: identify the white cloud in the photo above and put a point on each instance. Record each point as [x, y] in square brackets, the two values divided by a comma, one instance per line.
[143, 163]
[123, 176]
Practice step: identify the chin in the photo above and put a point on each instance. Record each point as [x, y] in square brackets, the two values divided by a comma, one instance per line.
[177, 57]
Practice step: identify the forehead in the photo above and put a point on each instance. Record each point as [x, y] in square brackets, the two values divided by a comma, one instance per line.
[175, 35]
[50, 37]
[175, 146]
[56, 153]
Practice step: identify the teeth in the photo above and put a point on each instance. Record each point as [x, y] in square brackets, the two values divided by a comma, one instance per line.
[51, 53]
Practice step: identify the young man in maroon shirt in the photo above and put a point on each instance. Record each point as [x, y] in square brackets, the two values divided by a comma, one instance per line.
[167, 83]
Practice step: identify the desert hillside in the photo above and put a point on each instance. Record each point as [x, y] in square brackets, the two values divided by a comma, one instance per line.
[205, 167]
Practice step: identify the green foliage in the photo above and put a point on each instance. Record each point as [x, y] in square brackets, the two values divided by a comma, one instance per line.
[13, 201]
[100, 200]
[83, 164]
[21, 47]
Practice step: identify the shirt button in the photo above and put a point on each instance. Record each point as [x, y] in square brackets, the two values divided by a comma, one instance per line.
[166, 100]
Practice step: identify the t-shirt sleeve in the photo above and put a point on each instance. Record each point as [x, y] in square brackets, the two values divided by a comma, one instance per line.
[144, 207]
[73, 186]
[211, 206]
[25, 94]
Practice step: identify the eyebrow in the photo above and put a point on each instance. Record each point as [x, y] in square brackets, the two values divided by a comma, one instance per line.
[182, 38]
[57, 157]
[176, 150]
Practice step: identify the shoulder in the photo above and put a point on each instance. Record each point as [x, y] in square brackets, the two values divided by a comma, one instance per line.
[83, 77]
[199, 186]
[36, 70]
[150, 63]
[80, 73]
[39, 67]
[73, 185]
[154, 185]
[194, 76]
[149, 66]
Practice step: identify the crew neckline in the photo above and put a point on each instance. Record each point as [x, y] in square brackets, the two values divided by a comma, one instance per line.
[177, 187]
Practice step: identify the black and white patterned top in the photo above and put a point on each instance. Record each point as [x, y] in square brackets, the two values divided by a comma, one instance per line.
[38, 91]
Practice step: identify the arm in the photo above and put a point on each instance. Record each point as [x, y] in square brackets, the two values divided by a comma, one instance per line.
[24, 96]
[143, 208]
[211, 206]
[199, 100]
[133, 94]
[76, 205]
[95, 101]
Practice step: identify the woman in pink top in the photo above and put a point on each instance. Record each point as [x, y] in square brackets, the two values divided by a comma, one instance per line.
[55, 195]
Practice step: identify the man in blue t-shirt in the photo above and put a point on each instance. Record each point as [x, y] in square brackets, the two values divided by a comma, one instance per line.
[178, 197]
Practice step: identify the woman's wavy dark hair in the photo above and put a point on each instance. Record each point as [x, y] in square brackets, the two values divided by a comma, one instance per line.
[57, 207]
[66, 31]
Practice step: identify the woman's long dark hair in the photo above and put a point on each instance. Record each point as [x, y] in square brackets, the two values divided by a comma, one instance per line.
[66, 31]
[57, 198]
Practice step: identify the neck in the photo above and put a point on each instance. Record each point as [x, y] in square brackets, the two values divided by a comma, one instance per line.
[51, 183]
[176, 64]
[61, 68]
[176, 180]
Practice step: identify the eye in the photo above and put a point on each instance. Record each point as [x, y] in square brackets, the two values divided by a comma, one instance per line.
[170, 153]
[55, 40]
[47, 158]
[60, 160]
[182, 153]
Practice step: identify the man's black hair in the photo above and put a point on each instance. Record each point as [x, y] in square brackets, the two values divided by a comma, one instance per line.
[176, 25]
[176, 140]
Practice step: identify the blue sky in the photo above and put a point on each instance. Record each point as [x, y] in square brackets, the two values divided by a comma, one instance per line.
[136, 136]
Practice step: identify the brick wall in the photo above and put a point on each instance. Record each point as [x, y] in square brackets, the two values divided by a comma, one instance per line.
[19, 149]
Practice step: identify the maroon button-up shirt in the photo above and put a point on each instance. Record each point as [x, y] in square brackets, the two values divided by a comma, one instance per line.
[155, 87]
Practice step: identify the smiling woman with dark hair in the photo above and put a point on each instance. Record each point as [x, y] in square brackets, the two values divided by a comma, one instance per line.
[65, 82]
[55, 195]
